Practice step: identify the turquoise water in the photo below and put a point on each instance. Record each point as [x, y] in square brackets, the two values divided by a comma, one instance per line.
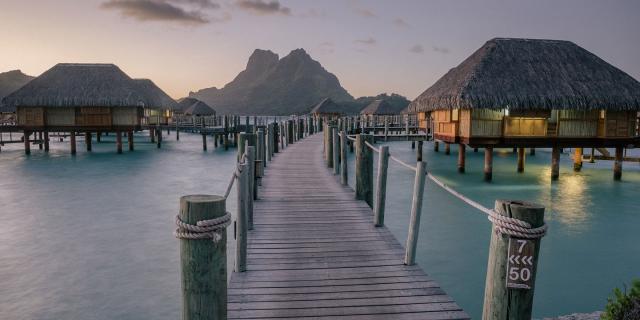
[90, 236]
[592, 246]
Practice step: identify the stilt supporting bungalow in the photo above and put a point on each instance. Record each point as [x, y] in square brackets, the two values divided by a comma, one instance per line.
[87, 140]
[72, 135]
[130, 140]
[27, 144]
[447, 148]
[46, 141]
[436, 146]
[617, 164]
[461, 157]
[577, 160]
[119, 142]
[488, 163]
[419, 152]
[520, 159]
[555, 163]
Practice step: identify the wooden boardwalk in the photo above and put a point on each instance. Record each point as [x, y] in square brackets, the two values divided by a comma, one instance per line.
[315, 254]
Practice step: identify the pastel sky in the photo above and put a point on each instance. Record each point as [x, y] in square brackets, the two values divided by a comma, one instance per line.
[372, 46]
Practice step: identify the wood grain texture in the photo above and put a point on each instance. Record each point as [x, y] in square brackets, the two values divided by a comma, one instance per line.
[315, 254]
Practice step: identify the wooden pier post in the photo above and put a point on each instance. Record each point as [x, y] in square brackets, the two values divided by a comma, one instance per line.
[253, 195]
[555, 163]
[364, 169]
[130, 140]
[72, 135]
[488, 163]
[462, 153]
[328, 137]
[276, 137]
[244, 140]
[617, 164]
[177, 129]
[447, 148]
[436, 146]
[290, 139]
[509, 293]
[269, 141]
[87, 140]
[98, 136]
[27, 144]
[520, 159]
[46, 141]
[203, 263]
[242, 220]
[118, 141]
[577, 160]
[592, 156]
[419, 152]
[260, 148]
[204, 141]
[152, 134]
[344, 176]
[40, 138]
[381, 187]
[159, 133]
[336, 150]
[416, 212]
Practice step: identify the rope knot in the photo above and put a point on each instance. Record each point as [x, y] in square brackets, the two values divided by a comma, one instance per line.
[204, 229]
[515, 227]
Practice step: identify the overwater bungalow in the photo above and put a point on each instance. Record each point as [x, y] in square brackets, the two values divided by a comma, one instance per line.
[377, 111]
[327, 108]
[163, 105]
[520, 93]
[194, 107]
[73, 98]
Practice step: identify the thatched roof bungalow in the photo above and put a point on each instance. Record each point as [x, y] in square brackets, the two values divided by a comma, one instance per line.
[327, 107]
[82, 97]
[524, 92]
[164, 105]
[195, 107]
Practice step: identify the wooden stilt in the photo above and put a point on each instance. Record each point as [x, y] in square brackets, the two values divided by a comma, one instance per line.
[617, 164]
[419, 153]
[555, 163]
[73, 142]
[488, 164]
[46, 141]
[119, 142]
[447, 148]
[40, 138]
[461, 157]
[215, 141]
[152, 135]
[592, 157]
[159, 137]
[436, 146]
[98, 136]
[520, 159]
[577, 160]
[204, 142]
[130, 140]
[87, 140]
[27, 144]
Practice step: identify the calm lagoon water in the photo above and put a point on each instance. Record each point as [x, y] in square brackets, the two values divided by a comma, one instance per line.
[90, 236]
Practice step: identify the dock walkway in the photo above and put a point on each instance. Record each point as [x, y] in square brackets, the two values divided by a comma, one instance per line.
[315, 254]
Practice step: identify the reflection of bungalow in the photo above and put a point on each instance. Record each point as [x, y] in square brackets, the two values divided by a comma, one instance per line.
[81, 98]
[533, 93]
[327, 108]
[195, 107]
[162, 106]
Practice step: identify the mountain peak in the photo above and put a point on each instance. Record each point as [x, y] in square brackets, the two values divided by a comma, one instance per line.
[261, 59]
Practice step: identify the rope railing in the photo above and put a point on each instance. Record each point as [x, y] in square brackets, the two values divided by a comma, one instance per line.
[351, 138]
[372, 147]
[402, 163]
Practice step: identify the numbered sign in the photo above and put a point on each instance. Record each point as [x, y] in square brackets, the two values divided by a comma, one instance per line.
[520, 264]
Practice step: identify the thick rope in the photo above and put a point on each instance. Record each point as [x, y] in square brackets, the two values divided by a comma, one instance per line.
[503, 225]
[373, 148]
[402, 163]
[352, 138]
[205, 229]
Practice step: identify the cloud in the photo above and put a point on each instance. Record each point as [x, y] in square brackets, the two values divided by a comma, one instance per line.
[179, 11]
[401, 22]
[442, 50]
[369, 42]
[263, 7]
[417, 49]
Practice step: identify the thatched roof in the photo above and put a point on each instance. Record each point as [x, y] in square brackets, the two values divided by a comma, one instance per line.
[327, 106]
[83, 85]
[156, 98]
[192, 106]
[381, 107]
[532, 74]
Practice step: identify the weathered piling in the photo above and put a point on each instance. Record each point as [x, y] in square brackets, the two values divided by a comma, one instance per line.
[447, 148]
[261, 154]
[253, 195]
[577, 160]
[328, 143]
[419, 153]
[488, 163]
[87, 141]
[46, 141]
[159, 138]
[617, 164]
[72, 135]
[130, 140]
[269, 142]
[276, 137]
[290, 132]
[381, 187]
[436, 146]
[416, 212]
[511, 270]
[27, 144]
[203, 263]
[462, 153]
[364, 169]
[118, 141]
[344, 176]
[521, 159]
[242, 220]
[244, 140]
[336, 150]
[555, 163]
